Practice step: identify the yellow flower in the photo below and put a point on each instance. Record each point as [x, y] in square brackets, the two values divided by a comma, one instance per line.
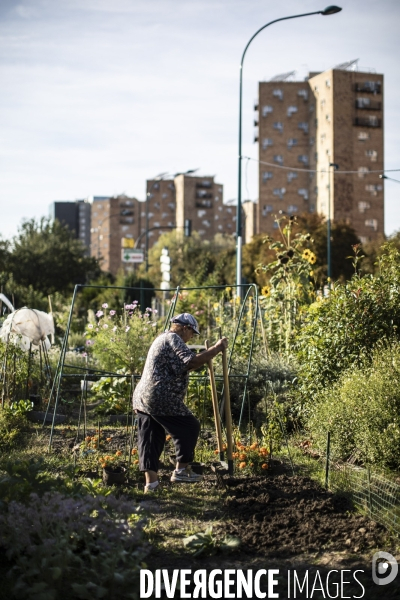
[312, 259]
[228, 290]
[306, 253]
[311, 273]
[266, 291]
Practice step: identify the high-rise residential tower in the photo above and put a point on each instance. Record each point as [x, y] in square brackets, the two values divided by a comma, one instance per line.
[321, 148]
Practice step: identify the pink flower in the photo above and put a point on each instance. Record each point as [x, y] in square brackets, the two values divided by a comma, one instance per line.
[89, 342]
[112, 313]
[105, 305]
[99, 313]
[155, 311]
[90, 326]
[105, 326]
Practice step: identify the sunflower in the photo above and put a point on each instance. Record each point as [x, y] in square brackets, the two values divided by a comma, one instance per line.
[306, 254]
[312, 259]
[266, 291]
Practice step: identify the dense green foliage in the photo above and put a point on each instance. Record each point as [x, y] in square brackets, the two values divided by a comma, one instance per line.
[343, 329]
[43, 258]
[362, 411]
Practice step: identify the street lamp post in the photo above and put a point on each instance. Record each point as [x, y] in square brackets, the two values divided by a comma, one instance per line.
[334, 166]
[330, 10]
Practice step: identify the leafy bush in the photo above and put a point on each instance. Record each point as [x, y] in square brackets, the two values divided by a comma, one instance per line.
[73, 548]
[12, 426]
[362, 411]
[343, 329]
[121, 341]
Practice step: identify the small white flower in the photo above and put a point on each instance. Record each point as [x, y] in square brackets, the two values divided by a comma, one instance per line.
[114, 328]
[105, 305]
[127, 329]
[90, 326]
[105, 326]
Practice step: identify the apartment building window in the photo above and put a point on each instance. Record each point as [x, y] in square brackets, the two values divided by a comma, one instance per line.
[216, 198]
[267, 175]
[328, 83]
[291, 175]
[303, 158]
[303, 94]
[266, 110]
[373, 189]
[373, 223]
[363, 206]
[204, 203]
[303, 192]
[372, 87]
[362, 136]
[278, 94]
[280, 192]
[311, 141]
[275, 225]
[203, 194]
[372, 155]
[156, 186]
[206, 223]
[171, 205]
[362, 171]
[157, 205]
[292, 208]
[278, 158]
[292, 142]
[328, 118]
[164, 196]
[164, 215]
[266, 210]
[363, 102]
[171, 187]
[323, 102]
[278, 126]
[303, 125]
[291, 110]
[204, 184]
[323, 137]
[266, 143]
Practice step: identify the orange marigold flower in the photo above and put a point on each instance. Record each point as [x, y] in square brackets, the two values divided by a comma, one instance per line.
[264, 466]
[108, 439]
[167, 438]
[224, 447]
[235, 455]
[88, 438]
[242, 465]
[118, 453]
[251, 464]
[136, 462]
[103, 465]
[242, 456]
[133, 451]
[216, 451]
[254, 446]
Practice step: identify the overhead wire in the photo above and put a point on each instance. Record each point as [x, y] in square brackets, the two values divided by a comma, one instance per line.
[336, 172]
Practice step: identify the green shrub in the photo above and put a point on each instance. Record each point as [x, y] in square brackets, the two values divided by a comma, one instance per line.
[362, 411]
[342, 330]
[12, 426]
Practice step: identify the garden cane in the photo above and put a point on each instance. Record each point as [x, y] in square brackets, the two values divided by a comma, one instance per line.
[228, 413]
[214, 398]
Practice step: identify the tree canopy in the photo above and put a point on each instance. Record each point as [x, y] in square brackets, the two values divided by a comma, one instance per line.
[43, 258]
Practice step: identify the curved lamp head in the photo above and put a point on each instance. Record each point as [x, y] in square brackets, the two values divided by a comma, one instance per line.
[330, 10]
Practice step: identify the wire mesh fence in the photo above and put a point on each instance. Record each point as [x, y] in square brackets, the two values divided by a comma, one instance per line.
[370, 492]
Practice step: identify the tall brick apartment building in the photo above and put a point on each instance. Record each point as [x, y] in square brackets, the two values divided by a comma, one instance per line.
[334, 117]
[120, 222]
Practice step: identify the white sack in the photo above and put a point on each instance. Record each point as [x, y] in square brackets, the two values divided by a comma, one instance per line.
[28, 326]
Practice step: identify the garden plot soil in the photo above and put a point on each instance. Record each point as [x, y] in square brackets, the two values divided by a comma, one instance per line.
[282, 515]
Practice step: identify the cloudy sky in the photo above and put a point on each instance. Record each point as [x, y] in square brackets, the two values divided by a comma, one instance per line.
[98, 95]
